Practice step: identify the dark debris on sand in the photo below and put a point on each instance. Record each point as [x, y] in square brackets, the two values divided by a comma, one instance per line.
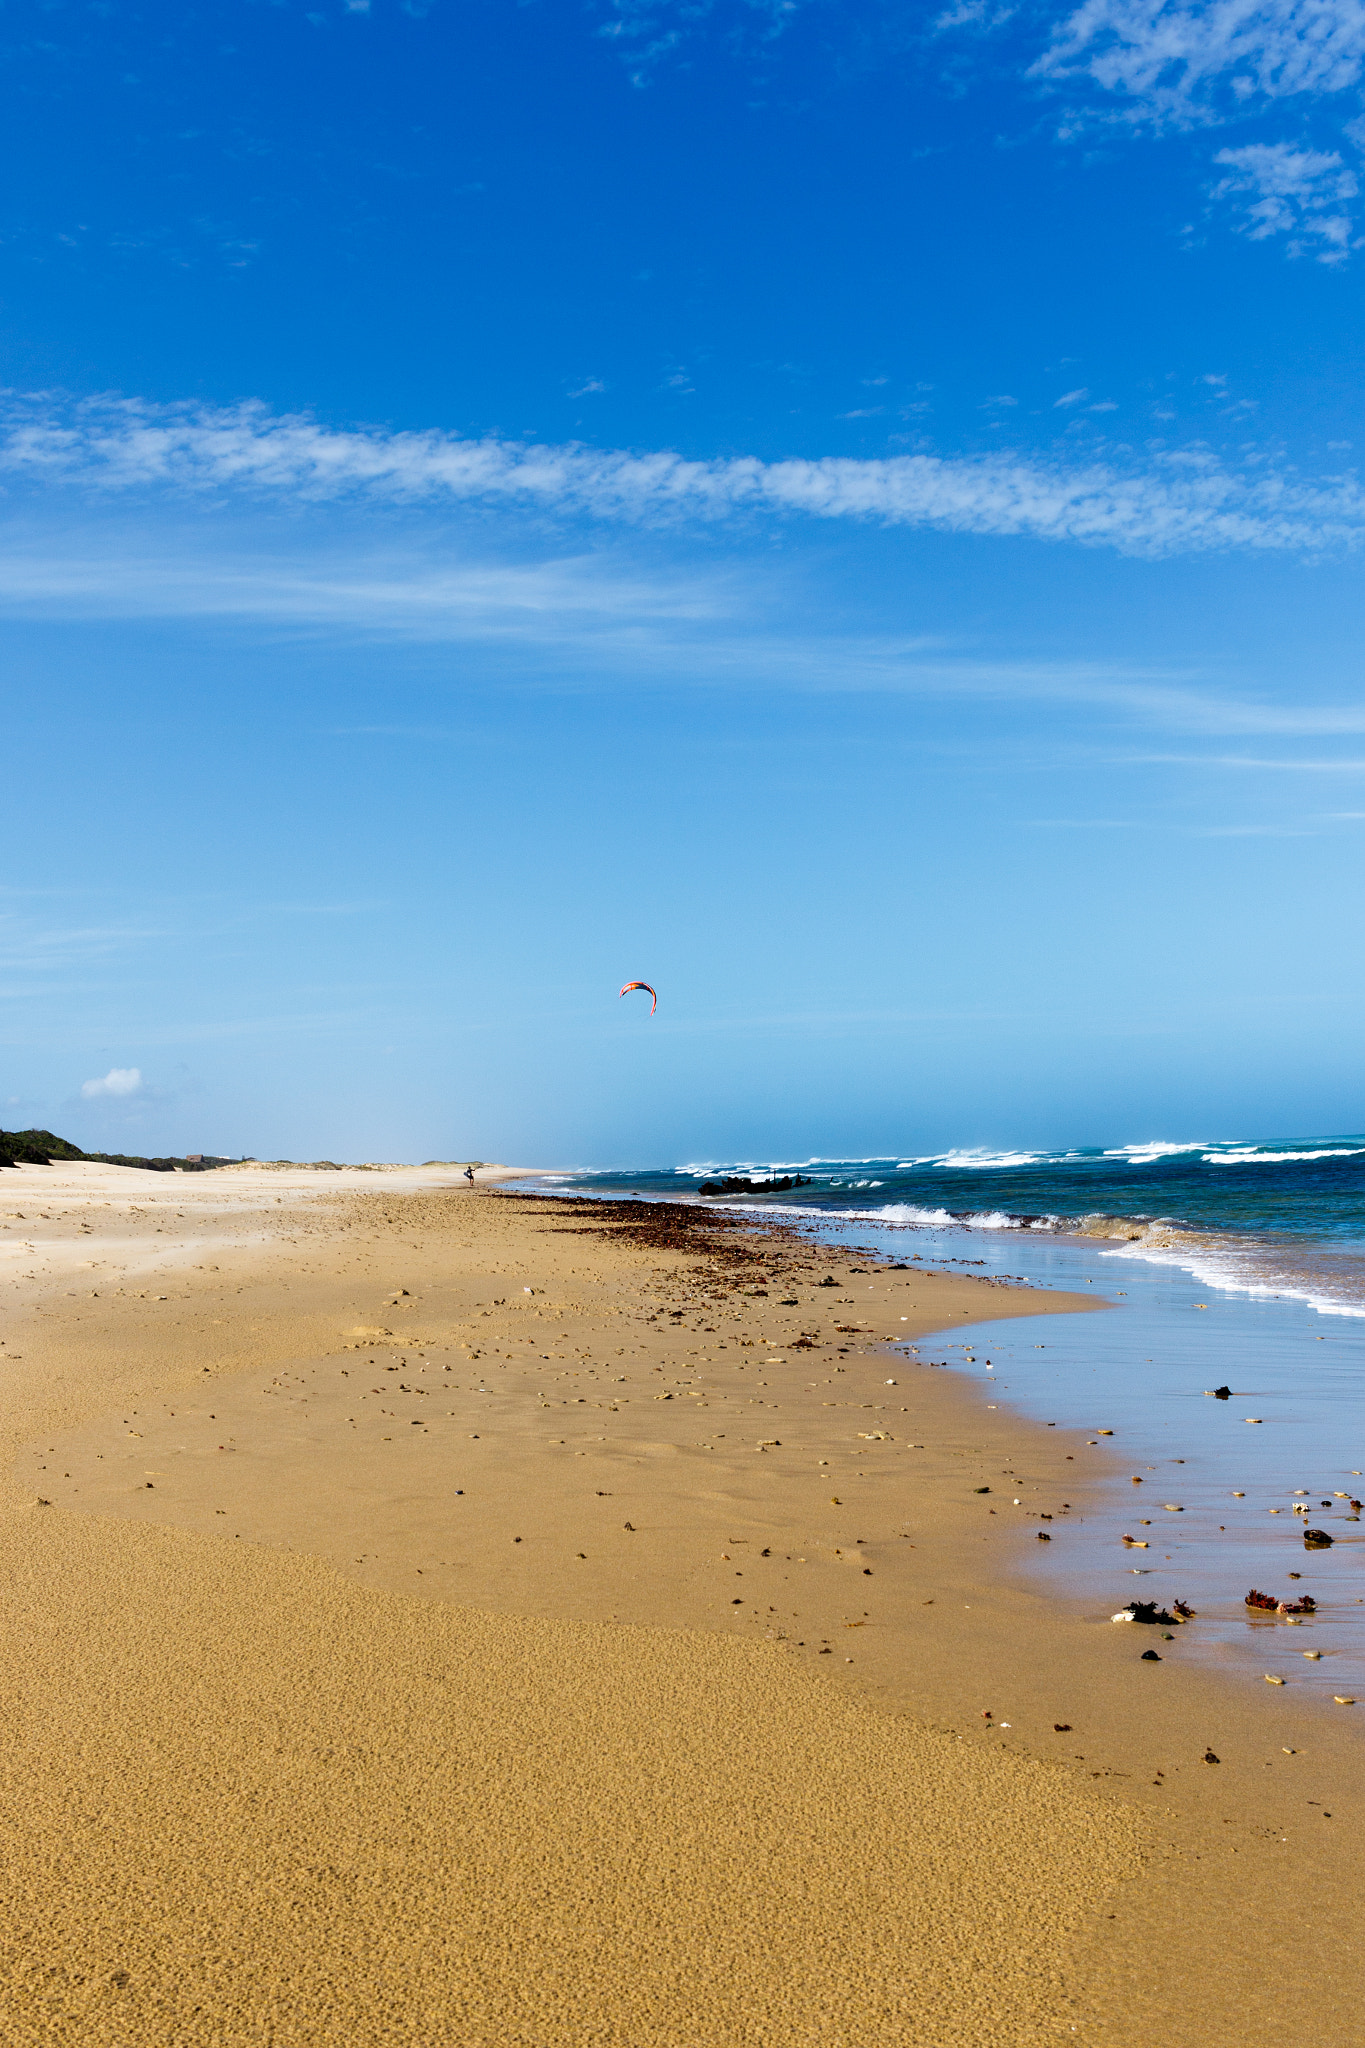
[677, 1227]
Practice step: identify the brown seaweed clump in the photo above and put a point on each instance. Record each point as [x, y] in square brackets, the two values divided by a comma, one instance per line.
[1267, 1603]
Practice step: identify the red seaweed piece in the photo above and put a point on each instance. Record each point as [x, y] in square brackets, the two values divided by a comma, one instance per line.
[1267, 1603]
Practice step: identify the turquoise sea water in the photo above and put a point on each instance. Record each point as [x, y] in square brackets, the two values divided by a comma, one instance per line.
[1284, 1217]
[1234, 1264]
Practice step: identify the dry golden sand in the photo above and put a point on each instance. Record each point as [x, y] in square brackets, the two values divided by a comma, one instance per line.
[303, 1745]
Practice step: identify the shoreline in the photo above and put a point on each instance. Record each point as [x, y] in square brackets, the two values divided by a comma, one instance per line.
[1226, 1485]
[1257, 1259]
[943, 1623]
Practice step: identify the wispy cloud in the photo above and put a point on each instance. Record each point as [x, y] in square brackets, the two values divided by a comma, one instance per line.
[648, 31]
[1185, 65]
[981, 15]
[26, 947]
[1301, 193]
[742, 632]
[1164, 503]
[155, 575]
[1173, 65]
[1286, 764]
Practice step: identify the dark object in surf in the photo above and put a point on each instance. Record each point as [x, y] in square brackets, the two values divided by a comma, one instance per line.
[1150, 1657]
[1316, 1539]
[1268, 1604]
[1222, 1393]
[1185, 1613]
[1147, 1610]
[1043, 1536]
[736, 1184]
[1355, 1506]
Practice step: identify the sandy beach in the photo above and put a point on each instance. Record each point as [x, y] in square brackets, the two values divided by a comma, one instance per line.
[438, 1613]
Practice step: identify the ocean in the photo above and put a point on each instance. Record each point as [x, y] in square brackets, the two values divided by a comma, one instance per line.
[1280, 1218]
[1226, 1263]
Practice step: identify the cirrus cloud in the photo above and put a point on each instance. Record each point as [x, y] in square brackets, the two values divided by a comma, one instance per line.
[1296, 192]
[1188, 64]
[1162, 502]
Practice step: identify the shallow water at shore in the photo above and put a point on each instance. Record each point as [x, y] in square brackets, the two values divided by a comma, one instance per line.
[1285, 1219]
[1218, 1494]
[1216, 1505]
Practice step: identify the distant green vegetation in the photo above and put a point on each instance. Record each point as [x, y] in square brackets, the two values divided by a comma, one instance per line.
[42, 1148]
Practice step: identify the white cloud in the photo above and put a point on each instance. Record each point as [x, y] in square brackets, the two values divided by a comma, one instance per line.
[976, 14]
[149, 574]
[118, 1081]
[1187, 64]
[1166, 503]
[1285, 191]
[640, 28]
[1071, 397]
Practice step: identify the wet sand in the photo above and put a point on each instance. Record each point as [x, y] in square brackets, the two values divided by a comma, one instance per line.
[437, 1613]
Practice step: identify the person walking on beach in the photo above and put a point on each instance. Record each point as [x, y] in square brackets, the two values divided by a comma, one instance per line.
[469, 1175]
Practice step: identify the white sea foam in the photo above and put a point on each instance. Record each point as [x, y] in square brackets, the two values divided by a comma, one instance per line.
[1156, 1148]
[704, 1170]
[914, 1216]
[1231, 1270]
[980, 1160]
[1256, 1155]
[906, 1212]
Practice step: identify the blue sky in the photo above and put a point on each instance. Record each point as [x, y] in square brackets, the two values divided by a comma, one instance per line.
[847, 512]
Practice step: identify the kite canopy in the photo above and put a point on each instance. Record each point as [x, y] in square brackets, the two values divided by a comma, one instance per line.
[648, 991]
